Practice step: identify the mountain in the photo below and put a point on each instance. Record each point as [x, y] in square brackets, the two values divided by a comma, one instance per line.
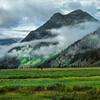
[9, 63]
[9, 41]
[83, 53]
[43, 45]
[56, 21]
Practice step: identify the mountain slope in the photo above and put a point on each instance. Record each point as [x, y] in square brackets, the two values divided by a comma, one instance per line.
[85, 52]
[9, 41]
[56, 21]
[50, 39]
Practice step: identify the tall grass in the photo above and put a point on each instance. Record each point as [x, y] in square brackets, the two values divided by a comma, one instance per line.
[50, 84]
[54, 92]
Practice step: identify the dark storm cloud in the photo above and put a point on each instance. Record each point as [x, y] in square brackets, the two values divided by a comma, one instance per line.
[30, 11]
[15, 12]
[8, 19]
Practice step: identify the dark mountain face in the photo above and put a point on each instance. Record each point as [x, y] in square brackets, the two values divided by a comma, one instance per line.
[9, 63]
[56, 21]
[85, 52]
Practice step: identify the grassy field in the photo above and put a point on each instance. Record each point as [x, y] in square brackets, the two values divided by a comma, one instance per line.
[50, 84]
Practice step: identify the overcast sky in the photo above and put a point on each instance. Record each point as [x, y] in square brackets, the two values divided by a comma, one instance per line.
[19, 17]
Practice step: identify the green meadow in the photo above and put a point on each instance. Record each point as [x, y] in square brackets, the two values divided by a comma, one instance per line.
[50, 84]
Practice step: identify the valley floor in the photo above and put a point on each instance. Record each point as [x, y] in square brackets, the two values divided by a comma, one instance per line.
[50, 84]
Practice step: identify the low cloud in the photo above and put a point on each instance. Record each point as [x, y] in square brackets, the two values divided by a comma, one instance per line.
[68, 35]
[65, 36]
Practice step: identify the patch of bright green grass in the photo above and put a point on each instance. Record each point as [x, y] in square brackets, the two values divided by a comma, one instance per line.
[49, 73]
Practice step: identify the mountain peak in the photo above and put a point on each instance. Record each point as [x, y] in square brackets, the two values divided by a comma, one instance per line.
[58, 20]
[78, 11]
[76, 15]
[80, 15]
[75, 11]
[57, 14]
